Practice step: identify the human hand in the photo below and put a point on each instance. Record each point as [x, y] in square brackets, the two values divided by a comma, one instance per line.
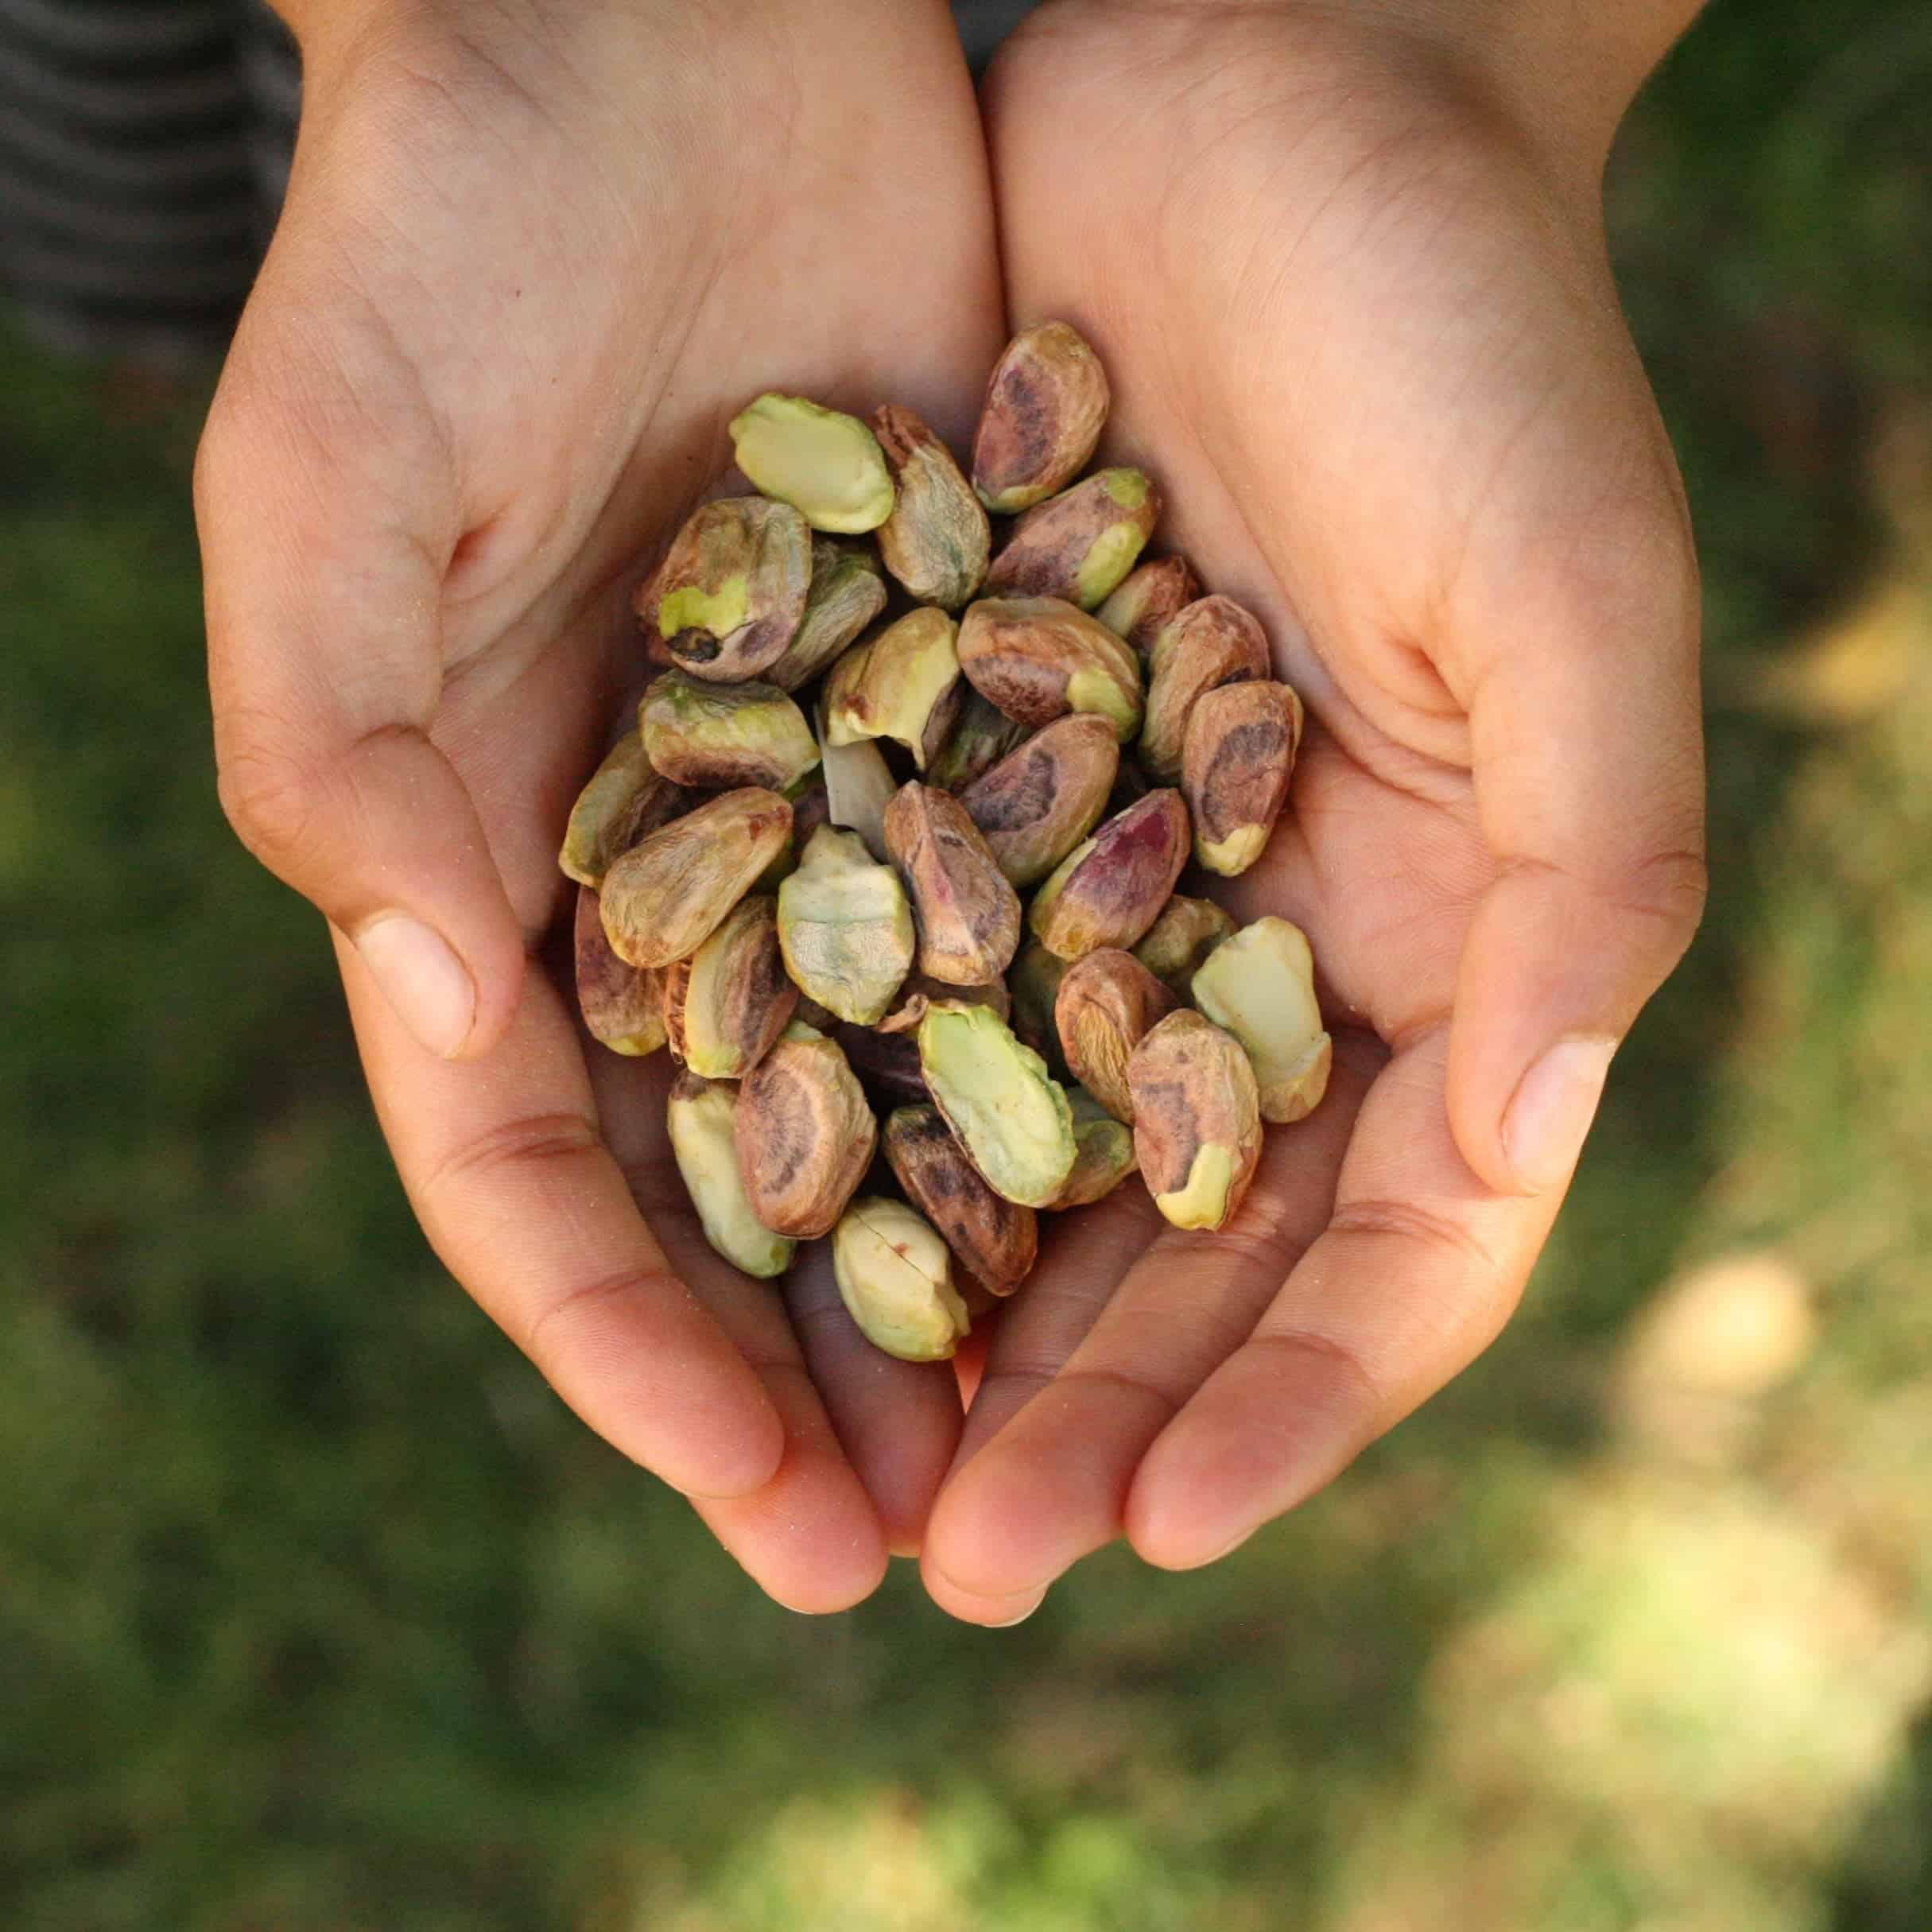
[1345, 267]
[533, 256]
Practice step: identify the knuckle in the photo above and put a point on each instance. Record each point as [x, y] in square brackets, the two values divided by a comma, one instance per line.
[272, 797]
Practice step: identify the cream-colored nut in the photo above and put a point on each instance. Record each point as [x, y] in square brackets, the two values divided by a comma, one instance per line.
[996, 1095]
[937, 540]
[713, 736]
[624, 801]
[806, 1135]
[1080, 543]
[1196, 1120]
[1045, 406]
[1037, 658]
[993, 1239]
[622, 1006]
[1107, 1002]
[848, 592]
[1186, 932]
[895, 1275]
[966, 915]
[1260, 986]
[1104, 1153]
[666, 896]
[845, 928]
[726, 1002]
[726, 599]
[1039, 801]
[1213, 641]
[1149, 597]
[1109, 890]
[980, 738]
[1236, 760]
[701, 1116]
[828, 465]
[903, 684]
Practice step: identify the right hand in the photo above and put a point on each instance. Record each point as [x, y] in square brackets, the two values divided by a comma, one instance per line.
[533, 257]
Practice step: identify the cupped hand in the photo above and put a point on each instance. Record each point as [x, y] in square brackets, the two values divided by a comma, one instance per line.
[1350, 283]
[533, 256]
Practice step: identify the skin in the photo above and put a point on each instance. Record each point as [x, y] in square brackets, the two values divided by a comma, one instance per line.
[1362, 331]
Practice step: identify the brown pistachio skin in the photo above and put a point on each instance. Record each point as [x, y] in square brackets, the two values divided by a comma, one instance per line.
[967, 913]
[1079, 544]
[938, 539]
[1236, 762]
[666, 896]
[1045, 405]
[1150, 597]
[738, 975]
[993, 1239]
[711, 737]
[622, 1006]
[806, 1136]
[1196, 1120]
[1039, 802]
[888, 1062]
[982, 735]
[848, 591]
[1108, 891]
[626, 800]
[1187, 931]
[1213, 641]
[1037, 658]
[1108, 1002]
[728, 598]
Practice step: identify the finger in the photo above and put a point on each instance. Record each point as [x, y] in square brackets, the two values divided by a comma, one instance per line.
[1052, 1486]
[810, 1537]
[1419, 1267]
[328, 513]
[525, 1205]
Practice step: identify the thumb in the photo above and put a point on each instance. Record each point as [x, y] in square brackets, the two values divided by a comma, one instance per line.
[1587, 756]
[328, 516]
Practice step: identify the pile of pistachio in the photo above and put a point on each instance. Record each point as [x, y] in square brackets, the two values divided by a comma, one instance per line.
[803, 870]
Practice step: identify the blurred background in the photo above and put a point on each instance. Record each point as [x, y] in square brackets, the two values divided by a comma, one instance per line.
[317, 1612]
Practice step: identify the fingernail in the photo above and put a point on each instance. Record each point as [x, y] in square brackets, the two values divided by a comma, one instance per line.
[1022, 1616]
[1543, 1132]
[422, 979]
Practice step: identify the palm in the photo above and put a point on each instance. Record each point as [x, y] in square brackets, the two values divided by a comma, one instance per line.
[1344, 340]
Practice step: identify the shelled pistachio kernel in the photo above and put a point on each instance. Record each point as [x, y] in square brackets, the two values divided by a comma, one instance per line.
[1196, 1120]
[965, 912]
[624, 801]
[828, 465]
[937, 540]
[1213, 641]
[996, 1095]
[1080, 543]
[845, 927]
[1260, 986]
[1150, 596]
[726, 1002]
[726, 599]
[1108, 1002]
[1045, 403]
[806, 1135]
[895, 1275]
[993, 1239]
[622, 1004]
[701, 1118]
[848, 591]
[1109, 890]
[901, 684]
[1186, 932]
[1236, 760]
[1037, 658]
[1104, 1153]
[1040, 800]
[711, 736]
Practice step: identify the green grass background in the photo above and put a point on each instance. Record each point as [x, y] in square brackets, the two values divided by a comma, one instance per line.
[316, 1612]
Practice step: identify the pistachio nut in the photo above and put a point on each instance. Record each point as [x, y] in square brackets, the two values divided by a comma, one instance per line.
[1260, 986]
[1039, 801]
[828, 465]
[1045, 406]
[1150, 596]
[845, 927]
[996, 1095]
[711, 736]
[1186, 932]
[1080, 543]
[622, 1006]
[624, 801]
[980, 738]
[919, 992]
[993, 1239]
[1196, 1120]
[668, 894]
[1107, 1002]
[1034, 984]
[937, 540]
[901, 684]
[701, 1116]
[1037, 658]
[888, 1063]
[1213, 641]
[725, 1003]
[728, 596]
[1103, 1153]
[1109, 890]
[859, 786]
[806, 1135]
[895, 1277]
[966, 915]
[1236, 760]
[848, 591]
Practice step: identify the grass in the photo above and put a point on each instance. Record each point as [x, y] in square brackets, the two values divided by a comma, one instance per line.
[318, 1613]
